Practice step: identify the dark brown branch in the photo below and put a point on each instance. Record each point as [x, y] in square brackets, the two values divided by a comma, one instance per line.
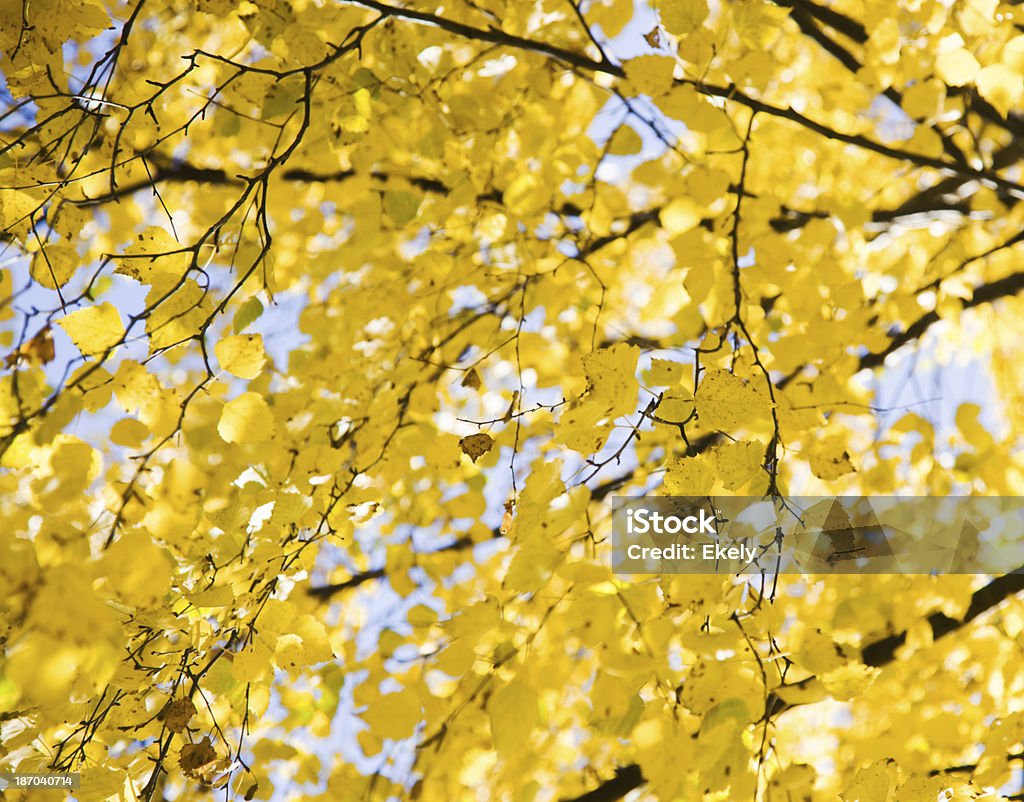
[883, 652]
[583, 62]
[1005, 287]
[497, 37]
[855, 31]
[857, 140]
[183, 173]
[809, 27]
[626, 779]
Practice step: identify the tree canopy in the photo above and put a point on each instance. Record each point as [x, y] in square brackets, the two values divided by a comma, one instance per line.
[333, 325]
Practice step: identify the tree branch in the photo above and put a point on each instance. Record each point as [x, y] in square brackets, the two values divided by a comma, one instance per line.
[883, 652]
[497, 37]
[583, 62]
[626, 779]
[806, 22]
[1005, 287]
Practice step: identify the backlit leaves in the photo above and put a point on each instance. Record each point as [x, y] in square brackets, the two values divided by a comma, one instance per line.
[725, 401]
[329, 330]
[246, 419]
[94, 329]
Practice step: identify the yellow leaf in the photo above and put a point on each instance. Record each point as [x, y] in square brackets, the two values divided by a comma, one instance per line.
[738, 462]
[611, 373]
[246, 419]
[394, 715]
[956, 67]
[625, 142]
[129, 432]
[16, 208]
[515, 711]
[815, 650]
[829, 459]
[681, 17]
[1013, 54]
[527, 195]
[611, 15]
[101, 783]
[241, 355]
[94, 329]
[689, 476]
[665, 373]
[54, 265]
[872, 784]
[680, 215]
[252, 663]
[726, 402]
[137, 569]
[1001, 86]
[307, 645]
[649, 75]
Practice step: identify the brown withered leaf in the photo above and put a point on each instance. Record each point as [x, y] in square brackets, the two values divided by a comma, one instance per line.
[653, 37]
[471, 379]
[195, 756]
[507, 519]
[177, 714]
[39, 350]
[475, 446]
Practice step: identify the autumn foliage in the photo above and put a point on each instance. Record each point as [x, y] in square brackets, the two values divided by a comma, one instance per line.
[331, 327]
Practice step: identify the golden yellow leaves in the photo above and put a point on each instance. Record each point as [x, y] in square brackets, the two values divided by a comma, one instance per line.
[54, 265]
[830, 459]
[737, 463]
[247, 313]
[725, 401]
[611, 375]
[924, 99]
[16, 207]
[70, 640]
[350, 123]
[401, 207]
[101, 783]
[649, 75]
[137, 570]
[514, 710]
[1001, 85]
[181, 308]
[612, 392]
[611, 15]
[38, 350]
[680, 215]
[664, 373]
[305, 646]
[728, 466]
[957, 67]
[95, 329]
[128, 432]
[394, 715]
[527, 195]
[682, 17]
[883, 781]
[625, 142]
[689, 476]
[241, 355]
[246, 419]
